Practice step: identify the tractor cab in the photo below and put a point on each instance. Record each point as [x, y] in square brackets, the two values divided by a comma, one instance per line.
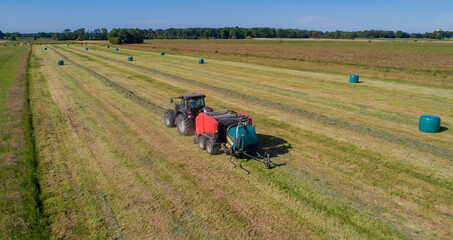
[191, 104]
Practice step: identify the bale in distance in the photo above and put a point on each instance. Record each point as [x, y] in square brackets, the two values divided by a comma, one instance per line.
[201, 61]
[108, 46]
[67, 44]
[130, 59]
[429, 123]
[81, 44]
[86, 48]
[354, 78]
[45, 48]
[116, 49]
[60, 62]
[162, 53]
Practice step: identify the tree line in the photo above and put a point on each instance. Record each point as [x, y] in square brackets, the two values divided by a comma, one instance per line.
[122, 35]
[242, 33]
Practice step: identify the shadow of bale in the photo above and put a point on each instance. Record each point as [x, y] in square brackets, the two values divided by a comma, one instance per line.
[442, 129]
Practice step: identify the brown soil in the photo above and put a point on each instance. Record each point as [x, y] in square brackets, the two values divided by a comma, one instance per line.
[319, 54]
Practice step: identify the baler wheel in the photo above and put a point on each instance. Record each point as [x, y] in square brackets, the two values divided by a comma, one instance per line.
[169, 118]
[202, 142]
[185, 125]
[211, 148]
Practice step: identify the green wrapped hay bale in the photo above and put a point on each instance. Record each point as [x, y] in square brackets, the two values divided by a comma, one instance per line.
[86, 48]
[67, 44]
[200, 61]
[60, 62]
[116, 49]
[354, 78]
[108, 46]
[429, 123]
[130, 59]
[81, 44]
[162, 53]
[45, 48]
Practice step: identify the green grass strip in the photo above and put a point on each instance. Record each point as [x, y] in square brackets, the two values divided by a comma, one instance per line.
[37, 220]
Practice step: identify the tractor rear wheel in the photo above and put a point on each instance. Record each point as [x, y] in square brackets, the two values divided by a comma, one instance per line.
[169, 118]
[211, 148]
[202, 142]
[185, 125]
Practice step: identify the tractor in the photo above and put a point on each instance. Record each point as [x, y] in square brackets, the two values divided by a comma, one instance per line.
[227, 131]
[184, 113]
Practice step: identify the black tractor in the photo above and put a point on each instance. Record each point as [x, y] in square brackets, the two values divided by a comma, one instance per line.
[185, 112]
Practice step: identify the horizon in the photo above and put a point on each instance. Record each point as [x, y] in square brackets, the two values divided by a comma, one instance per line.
[412, 16]
[154, 29]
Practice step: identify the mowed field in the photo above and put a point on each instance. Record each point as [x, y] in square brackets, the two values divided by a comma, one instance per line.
[353, 163]
[20, 216]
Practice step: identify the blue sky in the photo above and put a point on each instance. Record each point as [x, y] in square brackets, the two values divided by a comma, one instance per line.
[29, 16]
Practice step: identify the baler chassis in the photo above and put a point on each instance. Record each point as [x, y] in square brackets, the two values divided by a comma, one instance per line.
[263, 158]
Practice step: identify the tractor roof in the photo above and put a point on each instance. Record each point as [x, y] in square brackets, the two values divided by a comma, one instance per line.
[192, 95]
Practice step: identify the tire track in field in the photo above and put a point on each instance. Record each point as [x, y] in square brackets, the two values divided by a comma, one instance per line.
[117, 87]
[361, 129]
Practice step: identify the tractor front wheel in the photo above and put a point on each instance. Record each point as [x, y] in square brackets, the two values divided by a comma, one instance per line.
[169, 118]
[211, 148]
[185, 125]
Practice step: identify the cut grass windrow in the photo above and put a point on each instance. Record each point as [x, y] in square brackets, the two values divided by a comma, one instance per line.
[334, 209]
[393, 166]
[400, 167]
[39, 220]
[21, 209]
[361, 129]
[118, 88]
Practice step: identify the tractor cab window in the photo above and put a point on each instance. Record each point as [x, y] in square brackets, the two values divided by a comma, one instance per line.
[183, 103]
[196, 103]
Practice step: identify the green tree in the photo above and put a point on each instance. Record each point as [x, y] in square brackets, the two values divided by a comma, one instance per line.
[125, 36]
[401, 34]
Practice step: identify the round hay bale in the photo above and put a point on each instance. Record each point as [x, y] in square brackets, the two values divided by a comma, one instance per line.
[201, 61]
[81, 44]
[354, 78]
[130, 59]
[45, 48]
[67, 44]
[116, 49]
[60, 62]
[86, 48]
[429, 123]
[162, 53]
[108, 46]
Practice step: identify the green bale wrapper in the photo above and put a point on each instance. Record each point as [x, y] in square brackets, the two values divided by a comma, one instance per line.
[247, 136]
[429, 123]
